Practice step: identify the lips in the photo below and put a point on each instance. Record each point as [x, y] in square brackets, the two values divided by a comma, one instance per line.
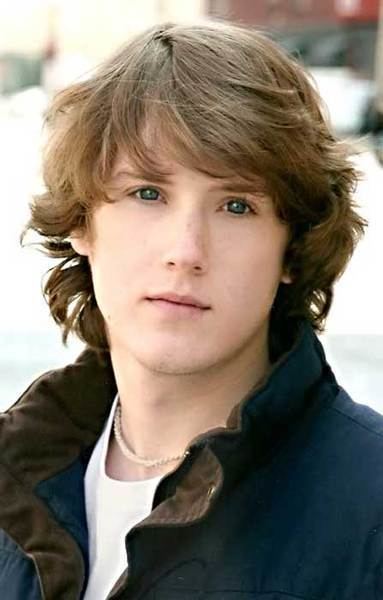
[184, 300]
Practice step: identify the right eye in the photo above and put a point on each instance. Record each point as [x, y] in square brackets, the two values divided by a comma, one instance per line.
[146, 193]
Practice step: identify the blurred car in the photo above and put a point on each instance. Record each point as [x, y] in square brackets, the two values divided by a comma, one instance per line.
[18, 72]
[347, 97]
[341, 59]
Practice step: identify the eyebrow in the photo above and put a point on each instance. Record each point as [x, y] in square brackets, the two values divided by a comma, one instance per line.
[229, 184]
[256, 186]
[155, 175]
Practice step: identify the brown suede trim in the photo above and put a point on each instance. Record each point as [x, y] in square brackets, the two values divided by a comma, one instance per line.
[55, 419]
[193, 495]
[26, 520]
[42, 434]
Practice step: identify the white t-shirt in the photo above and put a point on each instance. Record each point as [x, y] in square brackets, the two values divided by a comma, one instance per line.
[112, 509]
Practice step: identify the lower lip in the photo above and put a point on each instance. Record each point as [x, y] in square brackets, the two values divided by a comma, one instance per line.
[177, 310]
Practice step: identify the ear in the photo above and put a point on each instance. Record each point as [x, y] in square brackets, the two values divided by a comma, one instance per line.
[80, 242]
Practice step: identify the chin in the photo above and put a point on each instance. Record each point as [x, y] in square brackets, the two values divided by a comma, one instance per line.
[173, 363]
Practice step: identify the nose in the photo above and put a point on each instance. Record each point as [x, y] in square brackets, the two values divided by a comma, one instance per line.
[186, 243]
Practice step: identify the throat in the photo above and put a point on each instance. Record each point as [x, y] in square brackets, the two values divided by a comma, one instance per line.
[121, 468]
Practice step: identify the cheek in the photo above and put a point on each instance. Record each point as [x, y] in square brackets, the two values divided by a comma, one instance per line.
[254, 275]
[111, 274]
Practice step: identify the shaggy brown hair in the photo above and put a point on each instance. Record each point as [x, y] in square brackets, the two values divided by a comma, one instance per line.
[225, 100]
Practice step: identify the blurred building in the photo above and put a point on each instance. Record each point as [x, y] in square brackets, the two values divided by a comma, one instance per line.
[87, 31]
[285, 14]
[379, 65]
[336, 39]
[328, 33]
[56, 41]
[95, 28]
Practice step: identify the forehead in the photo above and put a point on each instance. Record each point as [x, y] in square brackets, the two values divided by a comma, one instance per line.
[158, 147]
[165, 169]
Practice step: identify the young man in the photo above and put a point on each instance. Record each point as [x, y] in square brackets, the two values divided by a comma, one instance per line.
[200, 447]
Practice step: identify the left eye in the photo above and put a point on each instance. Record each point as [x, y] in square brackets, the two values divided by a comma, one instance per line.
[238, 207]
[147, 194]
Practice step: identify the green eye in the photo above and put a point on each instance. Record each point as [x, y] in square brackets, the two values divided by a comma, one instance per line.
[238, 207]
[148, 194]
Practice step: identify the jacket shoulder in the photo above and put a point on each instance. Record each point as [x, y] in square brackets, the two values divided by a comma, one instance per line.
[347, 439]
[361, 418]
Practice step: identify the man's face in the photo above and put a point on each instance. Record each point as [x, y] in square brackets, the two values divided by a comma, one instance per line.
[196, 236]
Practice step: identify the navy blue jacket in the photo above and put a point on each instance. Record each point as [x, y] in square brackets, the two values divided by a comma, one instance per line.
[284, 504]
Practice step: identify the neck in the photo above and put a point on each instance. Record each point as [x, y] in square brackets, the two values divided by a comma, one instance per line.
[161, 414]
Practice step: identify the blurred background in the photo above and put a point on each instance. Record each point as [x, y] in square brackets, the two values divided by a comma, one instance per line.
[46, 44]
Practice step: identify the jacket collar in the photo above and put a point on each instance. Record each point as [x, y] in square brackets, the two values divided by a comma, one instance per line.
[62, 414]
[255, 428]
